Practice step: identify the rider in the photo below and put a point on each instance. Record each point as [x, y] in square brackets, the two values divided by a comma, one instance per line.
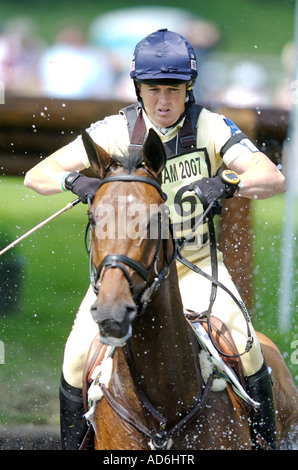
[197, 143]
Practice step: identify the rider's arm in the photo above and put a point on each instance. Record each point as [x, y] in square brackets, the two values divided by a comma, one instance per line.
[47, 176]
[259, 176]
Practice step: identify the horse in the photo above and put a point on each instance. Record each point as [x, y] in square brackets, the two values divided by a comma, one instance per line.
[154, 395]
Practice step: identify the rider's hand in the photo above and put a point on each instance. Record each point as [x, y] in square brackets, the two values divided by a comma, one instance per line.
[82, 186]
[212, 189]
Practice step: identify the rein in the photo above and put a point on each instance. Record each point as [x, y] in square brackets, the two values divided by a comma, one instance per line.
[215, 205]
[161, 439]
[120, 261]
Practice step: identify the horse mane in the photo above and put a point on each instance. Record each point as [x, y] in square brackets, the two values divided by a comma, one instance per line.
[131, 161]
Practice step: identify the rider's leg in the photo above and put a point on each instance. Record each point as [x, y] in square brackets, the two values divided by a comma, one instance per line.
[72, 422]
[73, 426]
[195, 292]
[263, 426]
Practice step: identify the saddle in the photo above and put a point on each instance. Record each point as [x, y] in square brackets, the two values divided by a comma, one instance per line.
[220, 335]
[223, 339]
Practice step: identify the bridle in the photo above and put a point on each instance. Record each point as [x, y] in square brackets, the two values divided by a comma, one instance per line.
[123, 262]
[144, 297]
[161, 439]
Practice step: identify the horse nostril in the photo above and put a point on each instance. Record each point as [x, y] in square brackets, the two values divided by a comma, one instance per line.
[94, 312]
[131, 312]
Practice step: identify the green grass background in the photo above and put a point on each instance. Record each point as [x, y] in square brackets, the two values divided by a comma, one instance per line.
[55, 278]
[54, 261]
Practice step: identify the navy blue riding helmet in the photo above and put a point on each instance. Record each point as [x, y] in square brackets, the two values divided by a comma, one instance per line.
[164, 57]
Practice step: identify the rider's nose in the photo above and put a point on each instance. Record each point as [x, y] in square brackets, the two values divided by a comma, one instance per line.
[164, 97]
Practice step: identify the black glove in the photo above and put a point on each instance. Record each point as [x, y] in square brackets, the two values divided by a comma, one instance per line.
[211, 189]
[82, 186]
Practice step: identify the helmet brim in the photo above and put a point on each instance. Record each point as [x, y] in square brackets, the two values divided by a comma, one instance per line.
[162, 80]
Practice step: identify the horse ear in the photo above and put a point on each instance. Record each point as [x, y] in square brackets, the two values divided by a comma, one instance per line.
[99, 159]
[154, 154]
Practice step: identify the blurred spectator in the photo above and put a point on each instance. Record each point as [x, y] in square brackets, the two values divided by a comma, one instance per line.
[99, 67]
[20, 50]
[213, 79]
[288, 88]
[248, 87]
[73, 69]
[119, 31]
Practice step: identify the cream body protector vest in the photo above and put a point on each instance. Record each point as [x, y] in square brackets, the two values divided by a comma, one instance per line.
[185, 163]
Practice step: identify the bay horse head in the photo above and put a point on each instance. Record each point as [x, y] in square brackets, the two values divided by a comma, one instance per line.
[127, 234]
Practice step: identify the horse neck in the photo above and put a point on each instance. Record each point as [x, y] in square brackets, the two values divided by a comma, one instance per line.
[165, 351]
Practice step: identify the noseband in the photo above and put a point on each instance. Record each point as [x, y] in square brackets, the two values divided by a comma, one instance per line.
[122, 262]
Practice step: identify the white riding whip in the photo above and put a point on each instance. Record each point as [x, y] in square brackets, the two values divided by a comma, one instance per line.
[68, 206]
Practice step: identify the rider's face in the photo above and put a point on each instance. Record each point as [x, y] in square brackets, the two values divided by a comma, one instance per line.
[163, 103]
